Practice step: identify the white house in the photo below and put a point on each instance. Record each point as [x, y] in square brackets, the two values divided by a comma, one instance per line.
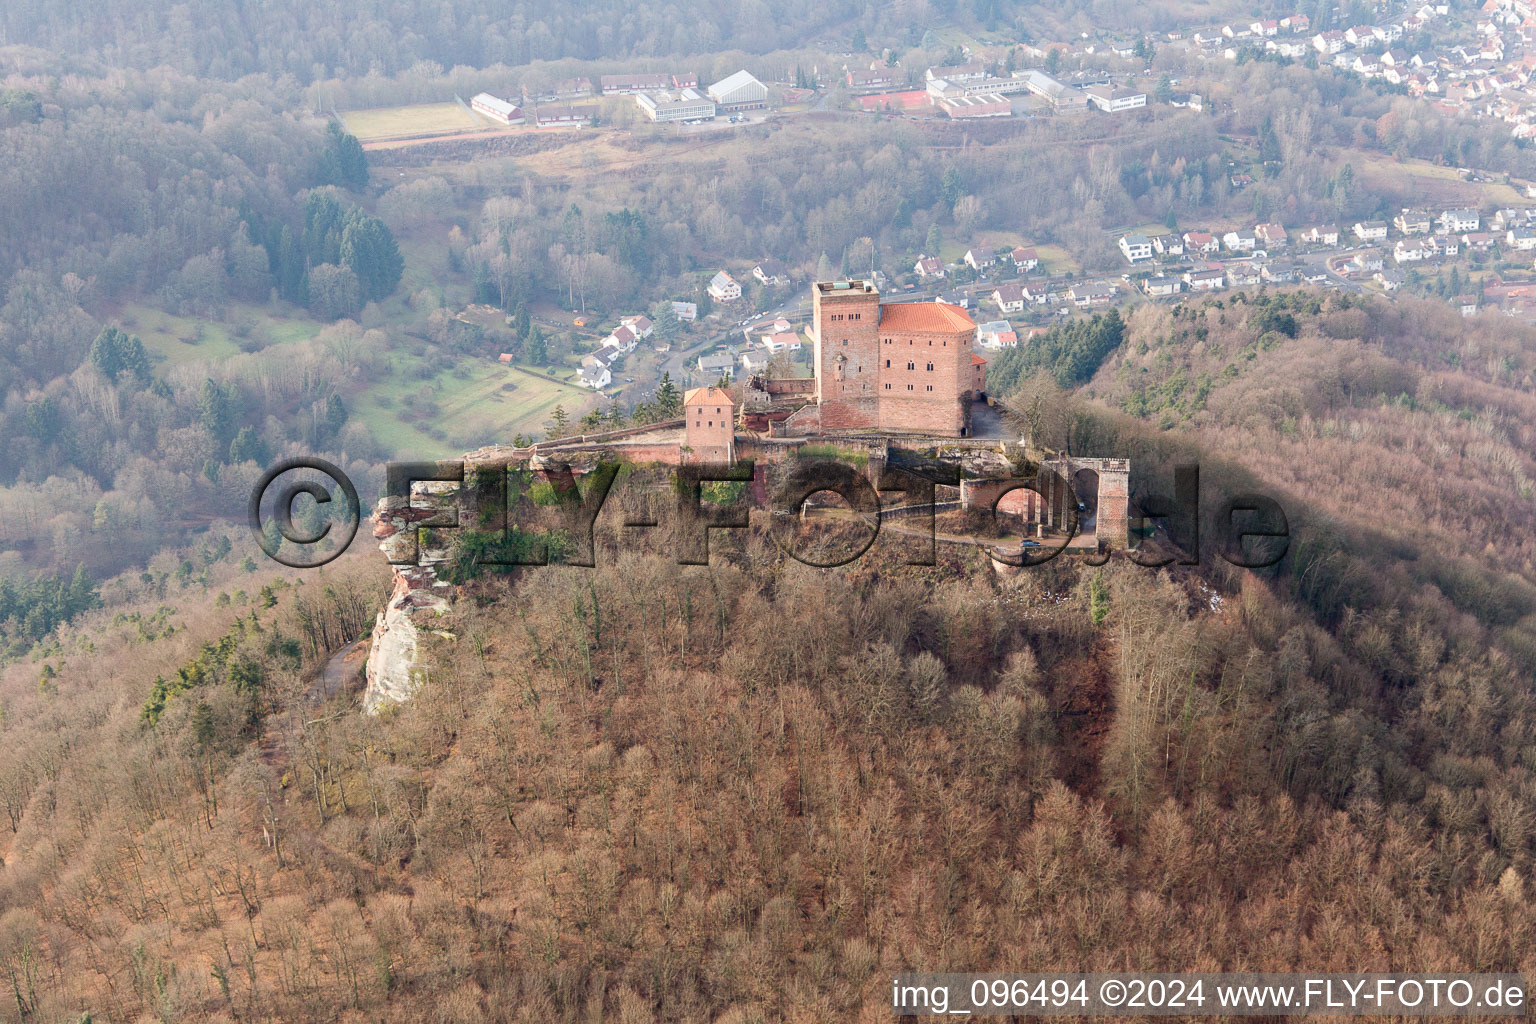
[1414, 222]
[1009, 298]
[1370, 230]
[1161, 285]
[685, 310]
[1459, 220]
[1240, 241]
[980, 258]
[929, 266]
[1204, 280]
[1136, 248]
[1024, 258]
[595, 377]
[1094, 293]
[723, 288]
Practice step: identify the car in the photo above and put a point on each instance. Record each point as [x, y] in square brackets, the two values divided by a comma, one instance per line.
[629, 380]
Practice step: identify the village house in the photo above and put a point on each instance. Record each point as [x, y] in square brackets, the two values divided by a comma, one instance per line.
[1366, 261]
[1330, 42]
[996, 334]
[1370, 230]
[1243, 274]
[1009, 298]
[1207, 280]
[1240, 241]
[1323, 234]
[640, 324]
[717, 365]
[1024, 258]
[1442, 245]
[1168, 245]
[1520, 239]
[1161, 285]
[1478, 241]
[1467, 304]
[1456, 221]
[1136, 248]
[685, 310]
[929, 266]
[980, 258]
[1409, 250]
[756, 360]
[1271, 234]
[723, 288]
[1414, 222]
[873, 80]
[771, 272]
[595, 377]
[1201, 242]
[1093, 293]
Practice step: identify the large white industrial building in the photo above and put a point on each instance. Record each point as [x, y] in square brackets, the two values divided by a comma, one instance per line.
[739, 92]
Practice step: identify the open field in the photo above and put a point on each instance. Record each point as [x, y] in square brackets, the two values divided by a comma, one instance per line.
[381, 123]
[476, 403]
[180, 339]
[1430, 184]
[1057, 260]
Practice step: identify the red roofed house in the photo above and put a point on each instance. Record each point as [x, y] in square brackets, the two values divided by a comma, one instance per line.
[709, 426]
[1201, 241]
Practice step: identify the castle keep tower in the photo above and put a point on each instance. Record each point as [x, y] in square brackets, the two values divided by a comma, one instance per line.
[846, 318]
[899, 366]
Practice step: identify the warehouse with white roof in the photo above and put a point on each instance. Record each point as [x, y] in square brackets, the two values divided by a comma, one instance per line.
[496, 109]
[739, 92]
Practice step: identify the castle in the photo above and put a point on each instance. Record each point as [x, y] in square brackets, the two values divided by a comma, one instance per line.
[894, 367]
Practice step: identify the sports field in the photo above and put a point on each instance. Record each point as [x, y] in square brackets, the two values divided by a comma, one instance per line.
[381, 123]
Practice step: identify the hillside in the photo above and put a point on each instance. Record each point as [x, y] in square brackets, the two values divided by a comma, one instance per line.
[651, 792]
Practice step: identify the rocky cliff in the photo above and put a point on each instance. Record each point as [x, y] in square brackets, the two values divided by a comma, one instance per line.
[419, 599]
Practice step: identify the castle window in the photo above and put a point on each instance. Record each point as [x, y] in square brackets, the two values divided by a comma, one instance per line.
[911, 365]
[930, 367]
[887, 387]
[930, 387]
[887, 364]
[909, 387]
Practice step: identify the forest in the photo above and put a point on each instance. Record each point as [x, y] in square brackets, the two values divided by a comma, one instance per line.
[1326, 765]
[748, 791]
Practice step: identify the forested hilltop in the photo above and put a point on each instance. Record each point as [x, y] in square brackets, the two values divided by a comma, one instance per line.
[227, 39]
[753, 791]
